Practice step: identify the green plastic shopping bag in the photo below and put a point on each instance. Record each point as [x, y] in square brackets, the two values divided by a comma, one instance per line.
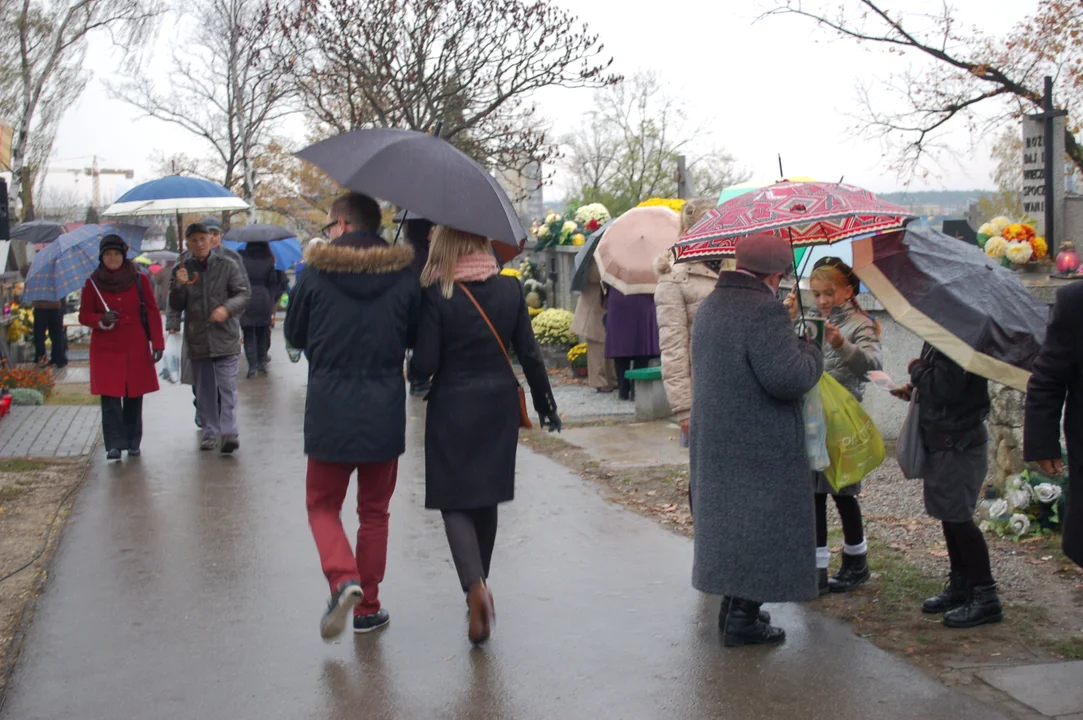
[853, 442]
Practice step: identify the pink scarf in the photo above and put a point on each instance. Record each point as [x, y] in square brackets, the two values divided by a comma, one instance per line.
[476, 267]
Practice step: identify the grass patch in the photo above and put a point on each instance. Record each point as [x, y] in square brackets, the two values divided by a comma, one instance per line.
[12, 490]
[20, 465]
[1072, 648]
[901, 585]
[69, 398]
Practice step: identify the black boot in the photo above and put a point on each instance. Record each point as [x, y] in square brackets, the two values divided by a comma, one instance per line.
[983, 607]
[854, 571]
[744, 627]
[955, 595]
[727, 602]
[825, 584]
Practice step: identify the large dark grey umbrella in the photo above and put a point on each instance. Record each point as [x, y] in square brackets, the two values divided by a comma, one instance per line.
[258, 233]
[162, 256]
[956, 298]
[38, 232]
[427, 176]
[583, 257]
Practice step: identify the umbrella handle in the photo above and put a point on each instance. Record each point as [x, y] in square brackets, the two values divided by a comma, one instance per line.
[104, 303]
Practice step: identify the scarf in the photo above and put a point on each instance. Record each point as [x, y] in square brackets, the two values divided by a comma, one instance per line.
[476, 267]
[115, 281]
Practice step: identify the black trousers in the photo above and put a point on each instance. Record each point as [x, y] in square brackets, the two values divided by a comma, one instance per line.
[122, 422]
[471, 535]
[626, 387]
[50, 321]
[257, 341]
[967, 552]
[853, 530]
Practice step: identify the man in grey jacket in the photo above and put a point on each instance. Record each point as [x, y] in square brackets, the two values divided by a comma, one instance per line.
[212, 292]
[751, 487]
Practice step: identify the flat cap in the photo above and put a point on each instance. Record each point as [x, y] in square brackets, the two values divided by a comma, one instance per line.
[194, 228]
[212, 222]
[764, 254]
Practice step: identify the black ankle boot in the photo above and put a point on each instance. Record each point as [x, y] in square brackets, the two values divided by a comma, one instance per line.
[825, 584]
[744, 627]
[983, 607]
[854, 571]
[955, 595]
[727, 602]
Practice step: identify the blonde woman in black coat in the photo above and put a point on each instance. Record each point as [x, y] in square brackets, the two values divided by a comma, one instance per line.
[472, 424]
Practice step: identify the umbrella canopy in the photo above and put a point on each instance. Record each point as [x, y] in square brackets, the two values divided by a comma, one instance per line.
[287, 252]
[175, 193]
[957, 299]
[584, 256]
[38, 232]
[426, 175]
[627, 251]
[804, 213]
[63, 266]
[162, 256]
[728, 193]
[143, 260]
[154, 269]
[257, 233]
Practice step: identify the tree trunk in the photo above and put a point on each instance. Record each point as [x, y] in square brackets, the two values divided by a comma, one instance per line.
[18, 170]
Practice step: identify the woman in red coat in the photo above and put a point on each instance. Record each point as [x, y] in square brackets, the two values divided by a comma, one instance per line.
[126, 341]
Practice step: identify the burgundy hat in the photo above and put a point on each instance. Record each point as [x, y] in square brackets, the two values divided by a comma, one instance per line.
[764, 254]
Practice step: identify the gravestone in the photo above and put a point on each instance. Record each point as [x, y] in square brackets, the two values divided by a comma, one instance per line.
[1034, 175]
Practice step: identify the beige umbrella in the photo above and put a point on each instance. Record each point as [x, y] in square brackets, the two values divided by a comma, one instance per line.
[628, 249]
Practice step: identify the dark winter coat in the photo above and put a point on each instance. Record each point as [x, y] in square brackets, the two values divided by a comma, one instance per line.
[1056, 383]
[354, 312]
[221, 282]
[472, 426]
[751, 486]
[120, 358]
[266, 286]
[951, 401]
[631, 326]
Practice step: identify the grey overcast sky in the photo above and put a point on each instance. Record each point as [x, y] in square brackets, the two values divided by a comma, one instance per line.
[779, 85]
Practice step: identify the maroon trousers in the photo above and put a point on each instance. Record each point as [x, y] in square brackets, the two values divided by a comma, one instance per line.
[326, 486]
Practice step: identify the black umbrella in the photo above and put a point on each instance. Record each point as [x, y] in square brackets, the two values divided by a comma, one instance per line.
[38, 232]
[956, 298]
[583, 257]
[426, 175]
[258, 233]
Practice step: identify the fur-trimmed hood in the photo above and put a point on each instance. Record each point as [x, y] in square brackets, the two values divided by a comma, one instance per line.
[360, 272]
[665, 266]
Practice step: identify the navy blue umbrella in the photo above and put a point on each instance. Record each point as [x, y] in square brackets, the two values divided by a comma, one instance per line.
[175, 194]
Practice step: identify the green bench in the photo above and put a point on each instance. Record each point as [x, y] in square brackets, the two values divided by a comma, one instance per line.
[651, 402]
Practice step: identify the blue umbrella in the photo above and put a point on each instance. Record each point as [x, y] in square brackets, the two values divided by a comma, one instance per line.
[175, 194]
[286, 252]
[63, 266]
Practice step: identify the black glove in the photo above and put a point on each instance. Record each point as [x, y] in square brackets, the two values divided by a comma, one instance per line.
[109, 317]
[552, 421]
[157, 355]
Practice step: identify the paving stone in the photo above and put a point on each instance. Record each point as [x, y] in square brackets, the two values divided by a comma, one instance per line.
[1054, 690]
[49, 431]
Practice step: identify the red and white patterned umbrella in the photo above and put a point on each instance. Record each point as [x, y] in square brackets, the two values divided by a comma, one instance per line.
[806, 213]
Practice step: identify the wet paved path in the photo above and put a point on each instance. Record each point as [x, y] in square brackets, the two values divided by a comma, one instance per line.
[187, 586]
[49, 431]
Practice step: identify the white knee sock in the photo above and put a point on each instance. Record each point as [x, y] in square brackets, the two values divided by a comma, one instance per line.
[855, 549]
[823, 558]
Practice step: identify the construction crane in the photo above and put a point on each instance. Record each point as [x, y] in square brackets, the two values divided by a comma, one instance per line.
[95, 173]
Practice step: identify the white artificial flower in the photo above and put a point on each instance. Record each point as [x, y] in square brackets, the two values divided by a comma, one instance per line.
[543, 231]
[551, 218]
[987, 229]
[1019, 252]
[1047, 493]
[998, 508]
[999, 223]
[568, 227]
[984, 526]
[995, 247]
[593, 211]
[1019, 499]
[1015, 482]
[1019, 524]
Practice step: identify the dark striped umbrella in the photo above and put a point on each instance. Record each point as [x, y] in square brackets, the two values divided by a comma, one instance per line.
[960, 301]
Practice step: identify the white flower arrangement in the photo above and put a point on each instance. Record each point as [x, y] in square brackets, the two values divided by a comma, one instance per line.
[551, 218]
[1019, 524]
[542, 231]
[1019, 252]
[998, 508]
[1047, 493]
[593, 211]
[1015, 482]
[1019, 499]
[999, 223]
[995, 247]
[568, 227]
[987, 229]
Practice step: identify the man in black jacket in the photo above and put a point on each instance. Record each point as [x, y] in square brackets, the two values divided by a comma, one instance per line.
[1057, 376]
[354, 312]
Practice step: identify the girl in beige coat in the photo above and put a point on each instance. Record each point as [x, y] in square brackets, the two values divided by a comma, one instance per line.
[680, 290]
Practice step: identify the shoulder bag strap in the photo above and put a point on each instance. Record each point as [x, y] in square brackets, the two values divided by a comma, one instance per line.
[142, 306]
[487, 322]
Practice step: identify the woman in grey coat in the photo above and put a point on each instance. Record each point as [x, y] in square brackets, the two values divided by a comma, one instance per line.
[851, 351]
[751, 496]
